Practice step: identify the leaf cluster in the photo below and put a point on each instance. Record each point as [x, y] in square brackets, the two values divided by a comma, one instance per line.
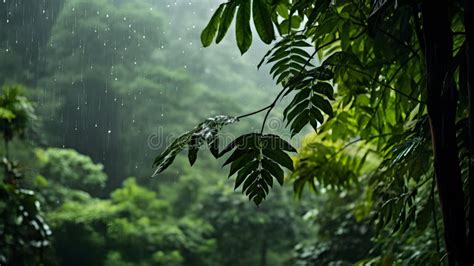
[205, 132]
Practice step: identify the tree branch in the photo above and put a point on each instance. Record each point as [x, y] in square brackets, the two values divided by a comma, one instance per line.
[255, 112]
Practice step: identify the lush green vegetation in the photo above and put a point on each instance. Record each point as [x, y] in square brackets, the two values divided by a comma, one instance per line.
[93, 91]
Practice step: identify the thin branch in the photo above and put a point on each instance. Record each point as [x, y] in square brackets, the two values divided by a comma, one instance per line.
[253, 113]
[270, 107]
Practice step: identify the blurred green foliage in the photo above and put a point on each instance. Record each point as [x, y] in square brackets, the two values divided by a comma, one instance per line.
[23, 231]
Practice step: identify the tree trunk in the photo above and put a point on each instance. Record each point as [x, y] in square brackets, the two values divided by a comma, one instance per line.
[442, 103]
[468, 22]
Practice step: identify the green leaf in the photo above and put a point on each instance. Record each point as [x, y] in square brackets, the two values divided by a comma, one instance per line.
[323, 73]
[279, 157]
[295, 22]
[6, 114]
[280, 64]
[226, 20]
[242, 161]
[313, 121]
[316, 114]
[255, 171]
[167, 157]
[282, 10]
[241, 141]
[276, 141]
[300, 59]
[242, 27]
[278, 55]
[235, 155]
[300, 96]
[248, 170]
[263, 22]
[274, 169]
[324, 89]
[322, 104]
[297, 110]
[206, 131]
[250, 180]
[240, 179]
[214, 146]
[285, 26]
[267, 177]
[210, 30]
[300, 121]
[165, 163]
[192, 155]
[301, 52]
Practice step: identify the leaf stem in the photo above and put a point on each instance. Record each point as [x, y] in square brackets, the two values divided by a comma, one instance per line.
[253, 113]
[270, 107]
